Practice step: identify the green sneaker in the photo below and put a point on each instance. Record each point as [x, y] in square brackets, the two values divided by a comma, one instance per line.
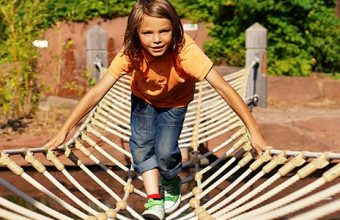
[154, 210]
[171, 192]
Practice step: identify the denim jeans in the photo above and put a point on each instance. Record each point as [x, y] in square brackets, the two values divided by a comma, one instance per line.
[154, 137]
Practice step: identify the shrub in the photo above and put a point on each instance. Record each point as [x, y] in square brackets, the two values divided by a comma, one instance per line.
[303, 36]
[18, 89]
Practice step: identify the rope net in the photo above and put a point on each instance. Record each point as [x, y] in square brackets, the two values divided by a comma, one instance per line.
[222, 176]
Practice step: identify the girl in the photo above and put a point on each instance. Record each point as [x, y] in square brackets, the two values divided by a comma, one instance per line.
[165, 65]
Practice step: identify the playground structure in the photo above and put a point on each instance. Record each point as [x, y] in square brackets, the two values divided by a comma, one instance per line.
[223, 178]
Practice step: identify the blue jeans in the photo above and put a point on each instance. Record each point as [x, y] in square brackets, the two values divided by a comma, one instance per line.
[154, 137]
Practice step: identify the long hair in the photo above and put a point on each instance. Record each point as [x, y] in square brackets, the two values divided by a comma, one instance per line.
[153, 8]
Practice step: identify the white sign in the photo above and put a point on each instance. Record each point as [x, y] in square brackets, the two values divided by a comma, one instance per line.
[40, 43]
[190, 27]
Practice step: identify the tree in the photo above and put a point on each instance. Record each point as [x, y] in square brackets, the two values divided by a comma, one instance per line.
[18, 57]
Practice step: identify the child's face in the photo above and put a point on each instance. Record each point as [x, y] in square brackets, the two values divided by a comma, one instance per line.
[155, 35]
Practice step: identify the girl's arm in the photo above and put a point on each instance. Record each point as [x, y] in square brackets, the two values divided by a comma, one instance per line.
[87, 102]
[238, 105]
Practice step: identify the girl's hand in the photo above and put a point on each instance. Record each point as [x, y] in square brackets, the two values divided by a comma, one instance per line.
[56, 141]
[258, 142]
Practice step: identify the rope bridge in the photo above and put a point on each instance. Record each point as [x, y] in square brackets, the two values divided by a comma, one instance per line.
[222, 176]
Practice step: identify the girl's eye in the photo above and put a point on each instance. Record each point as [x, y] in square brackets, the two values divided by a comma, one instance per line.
[147, 33]
[165, 32]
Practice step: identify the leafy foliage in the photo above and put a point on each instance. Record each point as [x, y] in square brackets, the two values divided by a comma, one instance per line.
[303, 35]
[18, 89]
[199, 10]
[83, 10]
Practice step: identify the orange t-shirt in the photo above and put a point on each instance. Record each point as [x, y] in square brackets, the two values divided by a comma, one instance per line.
[165, 81]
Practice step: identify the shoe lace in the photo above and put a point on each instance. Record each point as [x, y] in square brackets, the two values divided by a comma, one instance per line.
[169, 189]
[152, 203]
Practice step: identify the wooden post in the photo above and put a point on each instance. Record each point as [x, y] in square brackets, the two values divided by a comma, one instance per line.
[96, 47]
[256, 45]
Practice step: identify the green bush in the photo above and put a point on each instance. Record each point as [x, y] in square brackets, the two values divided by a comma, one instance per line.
[303, 35]
[19, 92]
[83, 10]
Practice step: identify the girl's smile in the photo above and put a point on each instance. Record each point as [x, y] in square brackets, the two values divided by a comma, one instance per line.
[155, 35]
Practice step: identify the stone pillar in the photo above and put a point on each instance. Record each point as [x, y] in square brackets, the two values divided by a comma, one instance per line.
[96, 47]
[256, 45]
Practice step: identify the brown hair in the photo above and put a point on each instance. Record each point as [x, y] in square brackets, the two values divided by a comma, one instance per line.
[153, 8]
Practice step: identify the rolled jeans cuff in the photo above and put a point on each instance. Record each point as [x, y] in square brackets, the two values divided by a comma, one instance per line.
[170, 174]
[149, 164]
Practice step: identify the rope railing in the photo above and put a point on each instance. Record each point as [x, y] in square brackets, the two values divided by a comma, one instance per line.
[236, 184]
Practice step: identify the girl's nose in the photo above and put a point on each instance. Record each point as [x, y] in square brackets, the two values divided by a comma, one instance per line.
[157, 39]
